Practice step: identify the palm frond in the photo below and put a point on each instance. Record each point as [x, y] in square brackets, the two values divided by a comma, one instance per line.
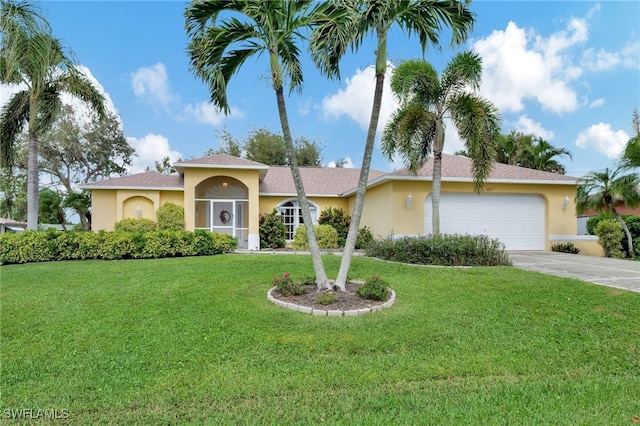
[15, 115]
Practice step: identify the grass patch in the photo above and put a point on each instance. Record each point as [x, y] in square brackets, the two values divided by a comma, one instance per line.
[194, 340]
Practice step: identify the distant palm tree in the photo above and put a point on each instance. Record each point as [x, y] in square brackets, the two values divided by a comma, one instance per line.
[32, 58]
[541, 156]
[631, 155]
[347, 24]
[416, 129]
[604, 191]
[220, 44]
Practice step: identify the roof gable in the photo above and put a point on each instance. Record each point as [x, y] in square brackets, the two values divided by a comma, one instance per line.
[144, 180]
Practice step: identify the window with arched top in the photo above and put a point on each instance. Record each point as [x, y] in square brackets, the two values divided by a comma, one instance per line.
[291, 214]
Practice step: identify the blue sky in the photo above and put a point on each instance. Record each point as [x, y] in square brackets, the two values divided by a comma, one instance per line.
[568, 71]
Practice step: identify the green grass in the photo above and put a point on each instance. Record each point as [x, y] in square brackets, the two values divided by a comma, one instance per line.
[194, 340]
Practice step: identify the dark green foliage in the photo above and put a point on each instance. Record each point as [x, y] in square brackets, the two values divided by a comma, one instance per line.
[170, 217]
[287, 286]
[632, 221]
[364, 238]
[610, 236]
[326, 234]
[445, 250]
[326, 298]
[565, 248]
[32, 246]
[374, 288]
[339, 220]
[272, 230]
[136, 225]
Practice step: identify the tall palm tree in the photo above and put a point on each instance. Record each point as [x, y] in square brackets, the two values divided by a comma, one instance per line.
[604, 191]
[631, 154]
[348, 23]
[416, 129]
[33, 59]
[219, 46]
[541, 156]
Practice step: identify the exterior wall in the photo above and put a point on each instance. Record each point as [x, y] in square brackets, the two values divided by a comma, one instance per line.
[386, 211]
[103, 201]
[175, 197]
[588, 244]
[268, 203]
[140, 207]
[249, 178]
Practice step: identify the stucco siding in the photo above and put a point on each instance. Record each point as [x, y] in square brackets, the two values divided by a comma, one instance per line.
[104, 202]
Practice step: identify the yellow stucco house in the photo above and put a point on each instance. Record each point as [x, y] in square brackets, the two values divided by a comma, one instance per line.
[526, 209]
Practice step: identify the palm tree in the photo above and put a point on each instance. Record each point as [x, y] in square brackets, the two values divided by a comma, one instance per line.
[347, 24]
[604, 191]
[220, 46]
[32, 58]
[631, 155]
[541, 156]
[416, 129]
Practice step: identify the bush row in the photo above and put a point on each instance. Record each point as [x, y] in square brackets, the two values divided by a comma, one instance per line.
[33, 246]
[444, 250]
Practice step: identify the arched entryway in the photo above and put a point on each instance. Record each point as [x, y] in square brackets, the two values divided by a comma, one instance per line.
[221, 206]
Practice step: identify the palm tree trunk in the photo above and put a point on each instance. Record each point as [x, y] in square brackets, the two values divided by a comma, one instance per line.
[436, 178]
[33, 181]
[358, 207]
[321, 276]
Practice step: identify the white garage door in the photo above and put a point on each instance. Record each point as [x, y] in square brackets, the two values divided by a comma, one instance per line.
[516, 220]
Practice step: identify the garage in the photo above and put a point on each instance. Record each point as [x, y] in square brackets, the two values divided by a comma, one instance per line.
[515, 219]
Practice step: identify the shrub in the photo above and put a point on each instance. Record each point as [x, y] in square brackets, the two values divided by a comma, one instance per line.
[565, 248]
[445, 250]
[170, 217]
[610, 235]
[326, 298]
[632, 222]
[287, 286]
[272, 230]
[34, 246]
[326, 234]
[339, 220]
[374, 288]
[364, 238]
[136, 225]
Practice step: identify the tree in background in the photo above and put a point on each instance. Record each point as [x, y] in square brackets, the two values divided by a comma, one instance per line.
[13, 188]
[75, 152]
[50, 208]
[269, 148]
[631, 154]
[225, 33]
[346, 25]
[416, 129]
[606, 190]
[31, 56]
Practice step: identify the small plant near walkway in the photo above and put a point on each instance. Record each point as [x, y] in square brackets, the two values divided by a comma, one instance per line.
[326, 298]
[287, 286]
[374, 288]
[565, 248]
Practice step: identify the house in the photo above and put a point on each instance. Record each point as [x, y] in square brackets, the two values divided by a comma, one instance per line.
[10, 225]
[526, 209]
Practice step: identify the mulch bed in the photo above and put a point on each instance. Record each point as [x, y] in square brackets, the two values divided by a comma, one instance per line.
[344, 301]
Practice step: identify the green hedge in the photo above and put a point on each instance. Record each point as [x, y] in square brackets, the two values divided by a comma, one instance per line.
[445, 250]
[33, 246]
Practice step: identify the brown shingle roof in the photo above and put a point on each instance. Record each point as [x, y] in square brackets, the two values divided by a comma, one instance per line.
[11, 222]
[316, 180]
[145, 180]
[454, 166]
[219, 160]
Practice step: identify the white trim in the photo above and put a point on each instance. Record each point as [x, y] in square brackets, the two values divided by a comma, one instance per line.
[573, 238]
[294, 195]
[254, 242]
[135, 188]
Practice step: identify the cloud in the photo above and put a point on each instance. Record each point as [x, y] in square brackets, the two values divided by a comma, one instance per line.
[347, 163]
[356, 99]
[529, 127]
[152, 85]
[205, 112]
[597, 103]
[603, 60]
[519, 65]
[150, 149]
[304, 107]
[604, 139]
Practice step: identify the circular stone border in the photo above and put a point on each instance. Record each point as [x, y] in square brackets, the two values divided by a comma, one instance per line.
[330, 312]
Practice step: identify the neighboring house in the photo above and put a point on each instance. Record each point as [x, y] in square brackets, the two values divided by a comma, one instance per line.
[10, 225]
[526, 209]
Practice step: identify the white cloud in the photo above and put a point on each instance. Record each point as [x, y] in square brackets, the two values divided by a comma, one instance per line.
[519, 65]
[152, 84]
[150, 149]
[529, 127]
[356, 99]
[205, 112]
[604, 139]
[597, 103]
[304, 107]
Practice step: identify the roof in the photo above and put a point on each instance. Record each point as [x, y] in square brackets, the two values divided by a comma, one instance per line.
[325, 181]
[322, 181]
[145, 180]
[11, 222]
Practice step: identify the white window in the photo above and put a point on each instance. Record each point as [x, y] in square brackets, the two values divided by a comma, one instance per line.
[291, 214]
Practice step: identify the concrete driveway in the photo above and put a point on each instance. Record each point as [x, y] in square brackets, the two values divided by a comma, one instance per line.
[624, 274]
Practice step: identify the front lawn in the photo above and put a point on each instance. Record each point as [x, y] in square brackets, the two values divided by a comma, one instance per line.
[194, 340]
